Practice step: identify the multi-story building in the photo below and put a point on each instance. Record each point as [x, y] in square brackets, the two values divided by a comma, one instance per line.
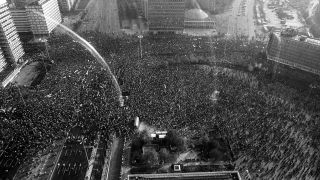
[9, 40]
[298, 52]
[166, 15]
[44, 16]
[20, 19]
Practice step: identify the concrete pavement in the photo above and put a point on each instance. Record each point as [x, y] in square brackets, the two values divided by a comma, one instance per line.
[102, 16]
[241, 19]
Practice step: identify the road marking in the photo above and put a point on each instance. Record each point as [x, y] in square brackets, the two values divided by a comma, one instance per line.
[57, 160]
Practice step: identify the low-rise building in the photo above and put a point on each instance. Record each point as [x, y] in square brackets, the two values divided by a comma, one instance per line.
[298, 52]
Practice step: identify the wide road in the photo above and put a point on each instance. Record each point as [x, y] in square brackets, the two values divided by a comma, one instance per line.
[115, 159]
[73, 163]
[241, 19]
[102, 16]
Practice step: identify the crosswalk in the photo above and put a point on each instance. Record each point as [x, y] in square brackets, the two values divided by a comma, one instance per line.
[70, 168]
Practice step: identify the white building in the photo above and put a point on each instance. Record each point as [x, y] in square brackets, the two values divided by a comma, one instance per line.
[9, 39]
[44, 16]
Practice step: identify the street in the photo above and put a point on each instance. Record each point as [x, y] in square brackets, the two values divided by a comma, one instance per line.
[115, 159]
[102, 16]
[72, 163]
[241, 19]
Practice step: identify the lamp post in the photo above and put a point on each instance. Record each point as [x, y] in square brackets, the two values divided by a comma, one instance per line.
[140, 38]
[45, 41]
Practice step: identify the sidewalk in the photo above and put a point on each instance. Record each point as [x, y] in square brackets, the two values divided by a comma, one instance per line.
[92, 158]
[13, 74]
[31, 74]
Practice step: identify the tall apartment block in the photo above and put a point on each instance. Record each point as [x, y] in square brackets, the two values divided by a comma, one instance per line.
[9, 40]
[166, 15]
[44, 16]
[20, 19]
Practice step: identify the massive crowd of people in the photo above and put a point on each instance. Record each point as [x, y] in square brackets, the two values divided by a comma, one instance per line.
[270, 136]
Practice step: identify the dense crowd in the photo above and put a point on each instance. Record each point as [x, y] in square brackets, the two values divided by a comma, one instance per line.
[265, 130]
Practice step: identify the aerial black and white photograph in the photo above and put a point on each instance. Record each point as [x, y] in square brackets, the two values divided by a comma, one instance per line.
[159, 89]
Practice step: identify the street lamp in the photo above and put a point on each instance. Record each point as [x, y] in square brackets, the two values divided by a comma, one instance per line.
[140, 38]
[45, 41]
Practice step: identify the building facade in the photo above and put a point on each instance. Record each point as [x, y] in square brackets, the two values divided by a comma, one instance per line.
[3, 62]
[166, 15]
[300, 53]
[20, 19]
[9, 39]
[44, 16]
